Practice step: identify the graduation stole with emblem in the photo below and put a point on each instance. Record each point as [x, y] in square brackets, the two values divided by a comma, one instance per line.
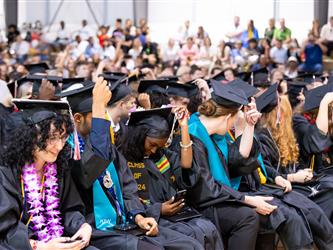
[106, 216]
[261, 170]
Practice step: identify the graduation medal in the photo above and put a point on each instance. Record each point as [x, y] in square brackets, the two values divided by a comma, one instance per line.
[107, 181]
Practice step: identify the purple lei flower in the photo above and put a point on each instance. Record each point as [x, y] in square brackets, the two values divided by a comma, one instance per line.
[44, 215]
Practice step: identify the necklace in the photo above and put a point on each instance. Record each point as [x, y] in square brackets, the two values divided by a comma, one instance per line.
[43, 200]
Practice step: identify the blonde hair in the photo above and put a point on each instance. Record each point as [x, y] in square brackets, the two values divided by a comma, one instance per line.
[283, 133]
[211, 109]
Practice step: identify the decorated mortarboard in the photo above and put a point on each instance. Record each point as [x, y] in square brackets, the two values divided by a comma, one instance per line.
[268, 100]
[246, 87]
[181, 89]
[155, 120]
[79, 99]
[153, 86]
[314, 96]
[37, 67]
[67, 82]
[227, 95]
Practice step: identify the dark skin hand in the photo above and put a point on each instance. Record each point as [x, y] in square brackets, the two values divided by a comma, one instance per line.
[46, 90]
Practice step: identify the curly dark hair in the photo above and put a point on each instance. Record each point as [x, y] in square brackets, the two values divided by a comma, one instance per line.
[134, 148]
[25, 139]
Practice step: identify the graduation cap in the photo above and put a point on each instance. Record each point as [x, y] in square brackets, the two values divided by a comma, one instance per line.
[37, 67]
[67, 82]
[35, 111]
[13, 86]
[314, 96]
[227, 95]
[294, 89]
[156, 120]
[119, 91]
[309, 77]
[247, 88]
[261, 80]
[181, 89]
[267, 101]
[170, 78]
[153, 86]
[80, 100]
[37, 81]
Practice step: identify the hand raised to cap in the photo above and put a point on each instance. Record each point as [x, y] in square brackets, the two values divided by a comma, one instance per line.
[101, 92]
[101, 97]
[46, 90]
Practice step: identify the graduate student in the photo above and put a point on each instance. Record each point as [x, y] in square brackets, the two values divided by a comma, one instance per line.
[214, 194]
[280, 151]
[40, 207]
[107, 186]
[313, 129]
[160, 173]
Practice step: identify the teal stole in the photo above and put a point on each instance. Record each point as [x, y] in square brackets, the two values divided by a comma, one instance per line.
[217, 170]
[105, 214]
[260, 159]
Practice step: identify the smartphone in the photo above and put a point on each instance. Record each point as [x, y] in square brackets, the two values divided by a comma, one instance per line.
[125, 227]
[180, 195]
[71, 241]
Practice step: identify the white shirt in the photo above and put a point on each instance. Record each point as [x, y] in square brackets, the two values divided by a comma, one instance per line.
[21, 48]
[327, 32]
[63, 34]
[239, 29]
[85, 33]
[109, 53]
[134, 53]
[171, 54]
[279, 55]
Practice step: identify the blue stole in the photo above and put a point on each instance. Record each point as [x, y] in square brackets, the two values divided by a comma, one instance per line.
[216, 167]
[105, 214]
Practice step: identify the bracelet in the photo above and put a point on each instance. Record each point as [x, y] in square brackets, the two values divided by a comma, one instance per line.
[186, 146]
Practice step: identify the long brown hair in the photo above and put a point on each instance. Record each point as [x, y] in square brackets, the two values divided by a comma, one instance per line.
[283, 133]
[211, 109]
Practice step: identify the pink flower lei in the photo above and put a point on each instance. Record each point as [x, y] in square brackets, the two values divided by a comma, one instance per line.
[45, 216]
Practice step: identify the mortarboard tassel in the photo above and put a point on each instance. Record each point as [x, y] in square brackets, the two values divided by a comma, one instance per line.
[278, 111]
[76, 155]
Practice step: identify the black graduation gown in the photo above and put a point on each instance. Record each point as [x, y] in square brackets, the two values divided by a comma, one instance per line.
[312, 142]
[237, 223]
[319, 189]
[88, 170]
[309, 208]
[121, 136]
[159, 187]
[13, 232]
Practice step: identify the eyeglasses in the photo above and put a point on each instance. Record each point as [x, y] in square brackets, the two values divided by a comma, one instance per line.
[55, 139]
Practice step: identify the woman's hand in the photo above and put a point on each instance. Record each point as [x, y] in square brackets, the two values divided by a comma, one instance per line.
[144, 101]
[84, 234]
[148, 224]
[252, 115]
[301, 176]
[203, 87]
[170, 207]
[61, 243]
[182, 115]
[282, 182]
[261, 204]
